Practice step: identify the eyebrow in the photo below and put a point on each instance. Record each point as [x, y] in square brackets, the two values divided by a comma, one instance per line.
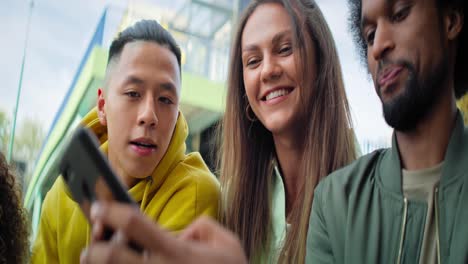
[365, 21]
[277, 38]
[168, 86]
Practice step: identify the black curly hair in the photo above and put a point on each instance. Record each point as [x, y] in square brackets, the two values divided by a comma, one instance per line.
[461, 64]
[14, 231]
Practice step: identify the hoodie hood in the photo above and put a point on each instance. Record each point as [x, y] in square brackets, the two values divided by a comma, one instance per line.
[175, 153]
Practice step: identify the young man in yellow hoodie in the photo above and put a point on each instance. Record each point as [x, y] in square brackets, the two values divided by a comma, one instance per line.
[142, 131]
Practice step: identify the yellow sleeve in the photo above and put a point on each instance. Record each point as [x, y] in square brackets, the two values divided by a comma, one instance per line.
[207, 198]
[199, 197]
[45, 246]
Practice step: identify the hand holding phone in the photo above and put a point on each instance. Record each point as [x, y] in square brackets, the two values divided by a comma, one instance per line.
[89, 176]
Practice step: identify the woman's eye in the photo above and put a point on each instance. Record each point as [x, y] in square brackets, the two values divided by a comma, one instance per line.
[285, 49]
[252, 62]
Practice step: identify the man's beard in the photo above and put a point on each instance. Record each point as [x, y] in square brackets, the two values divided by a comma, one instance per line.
[419, 96]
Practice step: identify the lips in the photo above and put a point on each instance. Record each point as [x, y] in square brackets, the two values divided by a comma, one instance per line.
[143, 146]
[389, 75]
[276, 92]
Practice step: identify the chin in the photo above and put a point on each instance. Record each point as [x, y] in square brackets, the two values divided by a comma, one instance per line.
[278, 125]
[276, 129]
[140, 172]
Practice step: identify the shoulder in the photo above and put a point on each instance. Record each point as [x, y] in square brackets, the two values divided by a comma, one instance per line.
[193, 173]
[58, 198]
[192, 190]
[57, 190]
[350, 178]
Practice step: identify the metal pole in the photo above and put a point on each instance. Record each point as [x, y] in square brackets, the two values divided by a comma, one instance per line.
[15, 112]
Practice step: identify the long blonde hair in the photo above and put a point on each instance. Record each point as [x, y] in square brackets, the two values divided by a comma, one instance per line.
[247, 148]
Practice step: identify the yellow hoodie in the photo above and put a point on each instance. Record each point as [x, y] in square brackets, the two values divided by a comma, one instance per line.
[180, 189]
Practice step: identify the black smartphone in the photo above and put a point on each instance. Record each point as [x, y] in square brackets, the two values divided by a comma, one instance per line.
[89, 176]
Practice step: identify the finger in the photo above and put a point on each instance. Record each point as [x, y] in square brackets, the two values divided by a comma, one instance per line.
[102, 252]
[134, 225]
[191, 232]
[119, 238]
[202, 229]
[97, 231]
[210, 239]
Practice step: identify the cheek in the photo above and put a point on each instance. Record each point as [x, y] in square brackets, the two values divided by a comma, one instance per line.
[114, 106]
[120, 119]
[372, 67]
[118, 128]
[167, 118]
[291, 68]
[118, 116]
[251, 98]
[166, 130]
[251, 88]
[115, 136]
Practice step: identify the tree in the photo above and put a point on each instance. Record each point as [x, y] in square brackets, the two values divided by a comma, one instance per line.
[4, 131]
[28, 143]
[29, 138]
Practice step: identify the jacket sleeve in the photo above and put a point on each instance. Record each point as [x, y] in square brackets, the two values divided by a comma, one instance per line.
[45, 246]
[319, 249]
[207, 198]
[199, 196]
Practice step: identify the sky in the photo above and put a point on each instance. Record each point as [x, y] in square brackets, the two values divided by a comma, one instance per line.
[61, 30]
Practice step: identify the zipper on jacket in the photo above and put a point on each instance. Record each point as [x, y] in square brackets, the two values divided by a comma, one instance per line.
[437, 223]
[403, 227]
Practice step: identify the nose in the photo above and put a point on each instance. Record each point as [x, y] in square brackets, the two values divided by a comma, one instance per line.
[271, 69]
[383, 42]
[147, 115]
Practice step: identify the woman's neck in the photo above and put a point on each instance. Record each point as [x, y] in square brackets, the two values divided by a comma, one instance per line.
[289, 153]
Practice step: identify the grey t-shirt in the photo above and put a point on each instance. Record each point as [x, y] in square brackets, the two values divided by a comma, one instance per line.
[420, 186]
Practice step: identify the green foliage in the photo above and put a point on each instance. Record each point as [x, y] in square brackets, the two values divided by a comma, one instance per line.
[29, 137]
[4, 131]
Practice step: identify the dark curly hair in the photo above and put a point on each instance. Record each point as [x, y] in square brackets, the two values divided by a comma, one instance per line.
[461, 64]
[14, 231]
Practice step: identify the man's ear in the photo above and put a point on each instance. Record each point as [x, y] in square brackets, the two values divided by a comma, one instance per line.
[454, 21]
[101, 101]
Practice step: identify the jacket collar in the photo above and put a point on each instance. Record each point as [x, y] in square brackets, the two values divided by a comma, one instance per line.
[389, 168]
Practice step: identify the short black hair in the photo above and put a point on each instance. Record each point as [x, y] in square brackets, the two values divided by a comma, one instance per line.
[461, 63]
[144, 30]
